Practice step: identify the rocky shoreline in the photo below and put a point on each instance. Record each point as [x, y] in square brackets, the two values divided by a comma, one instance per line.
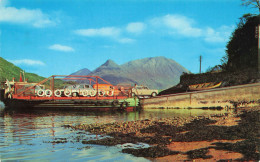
[178, 138]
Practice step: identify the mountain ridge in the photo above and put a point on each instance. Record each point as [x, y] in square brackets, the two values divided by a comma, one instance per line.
[155, 72]
[84, 71]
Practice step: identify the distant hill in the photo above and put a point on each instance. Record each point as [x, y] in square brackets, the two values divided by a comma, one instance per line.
[154, 72]
[84, 71]
[10, 71]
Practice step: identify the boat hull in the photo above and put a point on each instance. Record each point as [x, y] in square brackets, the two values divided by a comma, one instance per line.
[74, 103]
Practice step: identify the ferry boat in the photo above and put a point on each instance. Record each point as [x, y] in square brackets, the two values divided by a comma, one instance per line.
[73, 91]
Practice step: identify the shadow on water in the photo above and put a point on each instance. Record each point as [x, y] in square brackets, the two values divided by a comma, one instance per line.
[120, 115]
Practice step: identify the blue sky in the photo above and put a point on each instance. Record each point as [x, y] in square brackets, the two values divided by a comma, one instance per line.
[51, 37]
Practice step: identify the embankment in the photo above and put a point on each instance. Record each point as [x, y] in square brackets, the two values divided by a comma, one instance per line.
[229, 97]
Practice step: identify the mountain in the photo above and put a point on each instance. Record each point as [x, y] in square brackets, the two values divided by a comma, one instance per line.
[10, 71]
[108, 67]
[154, 72]
[111, 72]
[84, 71]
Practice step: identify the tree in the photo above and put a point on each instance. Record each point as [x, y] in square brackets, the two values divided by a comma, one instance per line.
[253, 3]
[216, 68]
[242, 49]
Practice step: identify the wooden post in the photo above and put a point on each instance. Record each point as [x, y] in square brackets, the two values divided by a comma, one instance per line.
[258, 37]
[200, 62]
[97, 87]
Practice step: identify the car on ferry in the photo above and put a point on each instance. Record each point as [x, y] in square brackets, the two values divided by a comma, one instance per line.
[140, 90]
[76, 90]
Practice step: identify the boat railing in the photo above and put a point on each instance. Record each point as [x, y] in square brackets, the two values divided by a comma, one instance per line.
[54, 88]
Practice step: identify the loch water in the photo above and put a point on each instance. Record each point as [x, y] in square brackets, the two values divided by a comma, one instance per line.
[27, 135]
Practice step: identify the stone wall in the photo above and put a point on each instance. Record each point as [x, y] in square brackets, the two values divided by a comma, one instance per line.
[236, 96]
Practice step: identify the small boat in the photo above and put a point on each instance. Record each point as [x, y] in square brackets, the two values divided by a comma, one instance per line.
[204, 86]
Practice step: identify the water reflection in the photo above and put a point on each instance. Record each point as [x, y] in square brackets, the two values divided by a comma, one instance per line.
[26, 135]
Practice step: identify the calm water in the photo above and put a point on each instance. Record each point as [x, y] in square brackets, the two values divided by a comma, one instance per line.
[28, 136]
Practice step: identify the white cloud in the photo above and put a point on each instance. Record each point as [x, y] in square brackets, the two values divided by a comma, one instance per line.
[136, 27]
[171, 24]
[101, 32]
[33, 17]
[126, 40]
[110, 32]
[221, 34]
[58, 47]
[107, 46]
[28, 62]
[4, 2]
[177, 24]
[181, 25]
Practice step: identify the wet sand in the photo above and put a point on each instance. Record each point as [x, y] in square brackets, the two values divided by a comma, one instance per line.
[229, 136]
[184, 147]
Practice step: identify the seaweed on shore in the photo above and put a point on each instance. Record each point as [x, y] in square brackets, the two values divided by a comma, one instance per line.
[196, 131]
[199, 153]
[250, 148]
[162, 134]
[161, 130]
[57, 140]
[119, 138]
[247, 129]
[199, 130]
[105, 141]
[153, 152]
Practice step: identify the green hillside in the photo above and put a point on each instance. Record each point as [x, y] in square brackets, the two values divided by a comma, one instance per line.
[10, 71]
